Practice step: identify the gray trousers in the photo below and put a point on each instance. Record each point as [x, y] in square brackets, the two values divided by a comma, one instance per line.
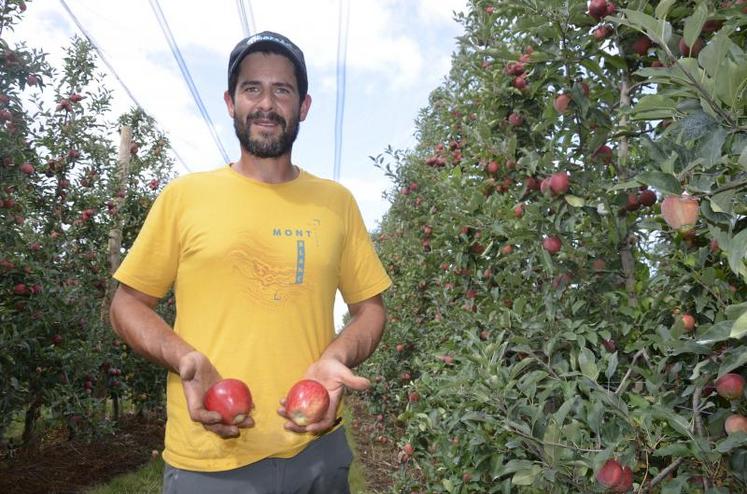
[321, 468]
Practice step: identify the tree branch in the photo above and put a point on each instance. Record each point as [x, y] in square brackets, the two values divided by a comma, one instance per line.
[663, 474]
[630, 371]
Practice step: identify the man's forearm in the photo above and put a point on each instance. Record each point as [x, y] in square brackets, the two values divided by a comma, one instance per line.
[359, 338]
[145, 331]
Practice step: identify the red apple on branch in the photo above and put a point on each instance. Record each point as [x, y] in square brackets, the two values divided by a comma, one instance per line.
[603, 153]
[231, 398]
[561, 103]
[626, 482]
[680, 212]
[598, 8]
[552, 244]
[690, 51]
[610, 474]
[735, 423]
[307, 402]
[647, 197]
[730, 386]
[688, 321]
[641, 45]
[601, 33]
[559, 183]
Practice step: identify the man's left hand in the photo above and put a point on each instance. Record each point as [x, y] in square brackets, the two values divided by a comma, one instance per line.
[335, 376]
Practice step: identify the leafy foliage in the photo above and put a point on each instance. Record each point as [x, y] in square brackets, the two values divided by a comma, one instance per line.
[61, 199]
[518, 367]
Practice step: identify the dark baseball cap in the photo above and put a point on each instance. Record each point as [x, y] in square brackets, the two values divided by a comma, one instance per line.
[263, 40]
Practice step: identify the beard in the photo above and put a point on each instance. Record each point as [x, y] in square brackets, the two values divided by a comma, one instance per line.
[265, 146]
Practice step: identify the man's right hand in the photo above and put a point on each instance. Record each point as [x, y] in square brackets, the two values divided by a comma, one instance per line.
[198, 374]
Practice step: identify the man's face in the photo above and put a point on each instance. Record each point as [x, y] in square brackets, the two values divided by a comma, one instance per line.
[266, 109]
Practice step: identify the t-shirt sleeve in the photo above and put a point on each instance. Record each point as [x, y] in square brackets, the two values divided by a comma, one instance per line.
[150, 265]
[361, 273]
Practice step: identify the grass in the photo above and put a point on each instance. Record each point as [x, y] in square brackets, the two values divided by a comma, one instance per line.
[148, 479]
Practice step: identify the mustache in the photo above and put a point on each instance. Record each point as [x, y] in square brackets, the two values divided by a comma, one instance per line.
[271, 116]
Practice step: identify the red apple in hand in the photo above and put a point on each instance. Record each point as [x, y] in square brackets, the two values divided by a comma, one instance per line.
[231, 398]
[307, 402]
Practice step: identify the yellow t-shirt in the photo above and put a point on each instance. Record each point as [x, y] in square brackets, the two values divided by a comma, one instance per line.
[255, 268]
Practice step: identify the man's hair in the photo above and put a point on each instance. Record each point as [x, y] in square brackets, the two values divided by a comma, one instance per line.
[267, 50]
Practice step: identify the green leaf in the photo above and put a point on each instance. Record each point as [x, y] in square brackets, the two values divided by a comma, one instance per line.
[734, 311]
[722, 203]
[448, 485]
[736, 359]
[587, 364]
[630, 184]
[696, 125]
[730, 81]
[526, 477]
[735, 440]
[654, 107]
[715, 52]
[675, 485]
[716, 333]
[562, 412]
[552, 435]
[611, 366]
[694, 24]
[663, 9]
[740, 327]
[658, 31]
[737, 249]
[674, 449]
[575, 201]
[664, 182]
[710, 149]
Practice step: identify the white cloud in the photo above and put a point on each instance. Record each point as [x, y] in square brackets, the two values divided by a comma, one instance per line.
[398, 52]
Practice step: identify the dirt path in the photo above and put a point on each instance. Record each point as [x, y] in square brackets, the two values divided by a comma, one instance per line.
[59, 466]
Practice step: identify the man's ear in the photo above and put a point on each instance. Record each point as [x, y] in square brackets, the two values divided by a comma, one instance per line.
[229, 103]
[305, 104]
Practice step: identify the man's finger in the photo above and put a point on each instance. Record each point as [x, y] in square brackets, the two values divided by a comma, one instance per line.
[206, 417]
[224, 431]
[357, 383]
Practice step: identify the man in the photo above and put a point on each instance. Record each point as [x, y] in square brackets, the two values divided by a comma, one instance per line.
[256, 251]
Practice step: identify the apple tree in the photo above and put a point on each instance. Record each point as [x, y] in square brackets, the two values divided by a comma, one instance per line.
[63, 196]
[568, 242]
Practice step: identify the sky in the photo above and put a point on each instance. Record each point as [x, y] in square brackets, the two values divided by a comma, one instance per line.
[398, 51]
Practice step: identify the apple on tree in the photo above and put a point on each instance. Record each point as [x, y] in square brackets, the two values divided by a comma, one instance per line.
[307, 402]
[231, 398]
[730, 386]
[552, 244]
[680, 212]
[735, 423]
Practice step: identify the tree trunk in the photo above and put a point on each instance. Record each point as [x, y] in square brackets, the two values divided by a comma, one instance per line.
[115, 235]
[32, 414]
